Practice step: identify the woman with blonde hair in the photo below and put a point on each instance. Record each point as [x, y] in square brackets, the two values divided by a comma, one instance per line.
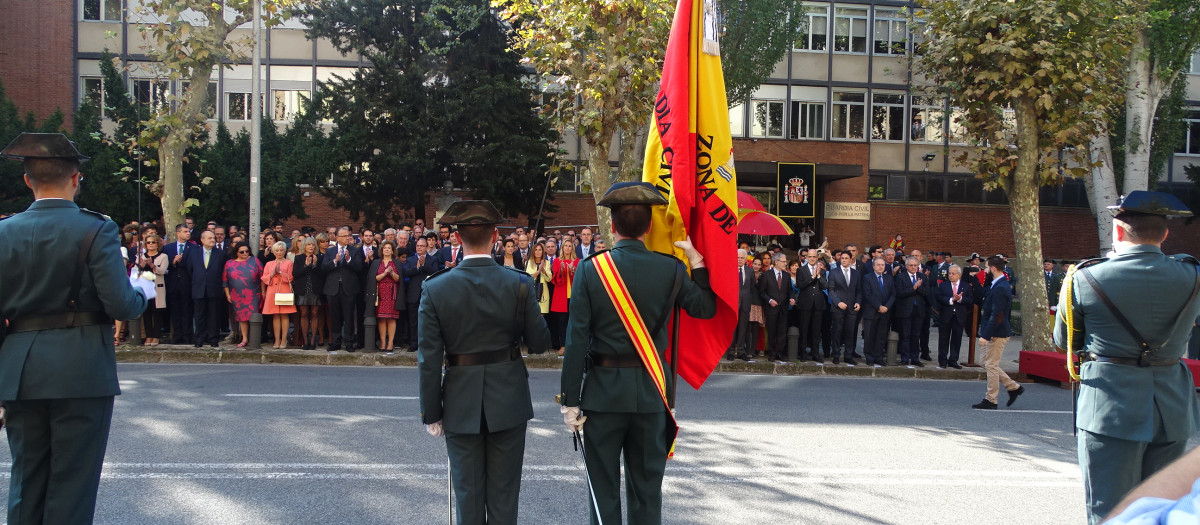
[308, 285]
[277, 278]
[538, 267]
[155, 261]
[563, 277]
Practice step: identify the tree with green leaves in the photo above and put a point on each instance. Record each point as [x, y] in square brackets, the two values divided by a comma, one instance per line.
[1053, 64]
[757, 35]
[444, 101]
[14, 196]
[189, 50]
[607, 57]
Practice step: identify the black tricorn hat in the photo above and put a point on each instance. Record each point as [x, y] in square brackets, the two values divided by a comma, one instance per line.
[472, 212]
[632, 193]
[42, 146]
[1151, 203]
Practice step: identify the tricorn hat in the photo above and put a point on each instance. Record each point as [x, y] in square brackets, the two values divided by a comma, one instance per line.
[472, 212]
[1151, 203]
[632, 193]
[42, 146]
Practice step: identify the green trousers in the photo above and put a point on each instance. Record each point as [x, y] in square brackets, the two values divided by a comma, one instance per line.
[58, 450]
[486, 473]
[640, 437]
[1112, 467]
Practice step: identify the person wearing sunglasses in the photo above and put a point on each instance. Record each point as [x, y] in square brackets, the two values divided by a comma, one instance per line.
[243, 290]
[154, 260]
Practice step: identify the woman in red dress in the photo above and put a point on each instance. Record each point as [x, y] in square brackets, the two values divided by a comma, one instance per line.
[563, 278]
[387, 276]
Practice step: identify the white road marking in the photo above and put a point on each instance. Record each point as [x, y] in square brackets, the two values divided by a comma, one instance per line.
[324, 396]
[1018, 411]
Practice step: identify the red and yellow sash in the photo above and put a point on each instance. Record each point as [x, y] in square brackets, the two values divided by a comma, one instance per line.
[635, 326]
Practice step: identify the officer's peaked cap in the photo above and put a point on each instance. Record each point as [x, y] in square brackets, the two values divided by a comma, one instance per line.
[632, 193]
[1151, 203]
[472, 212]
[42, 146]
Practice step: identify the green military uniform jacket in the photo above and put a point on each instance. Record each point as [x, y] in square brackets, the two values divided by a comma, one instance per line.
[595, 327]
[38, 252]
[1053, 285]
[472, 309]
[1118, 400]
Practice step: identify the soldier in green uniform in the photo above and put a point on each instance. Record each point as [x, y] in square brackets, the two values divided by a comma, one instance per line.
[623, 408]
[1130, 316]
[58, 371]
[472, 317]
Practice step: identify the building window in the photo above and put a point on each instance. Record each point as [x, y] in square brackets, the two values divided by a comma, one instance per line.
[237, 106]
[93, 91]
[887, 117]
[808, 120]
[1195, 69]
[210, 105]
[767, 121]
[849, 115]
[891, 32]
[815, 34]
[958, 130]
[737, 120]
[928, 120]
[150, 95]
[850, 30]
[104, 10]
[1191, 136]
[288, 103]
[877, 187]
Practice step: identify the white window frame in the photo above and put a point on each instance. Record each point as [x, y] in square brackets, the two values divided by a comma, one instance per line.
[737, 121]
[885, 110]
[761, 130]
[932, 112]
[1191, 132]
[957, 134]
[896, 26]
[852, 16]
[107, 10]
[844, 110]
[817, 18]
[1195, 69]
[83, 91]
[159, 91]
[246, 102]
[806, 129]
[291, 104]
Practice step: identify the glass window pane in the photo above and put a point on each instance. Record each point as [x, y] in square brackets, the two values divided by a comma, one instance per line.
[112, 10]
[841, 34]
[858, 37]
[857, 121]
[877, 187]
[236, 106]
[819, 27]
[776, 117]
[882, 42]
[916, 188]
[91, 9]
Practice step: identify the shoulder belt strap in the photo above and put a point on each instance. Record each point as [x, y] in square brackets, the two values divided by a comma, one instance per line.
[1137, 336]
[85, 249]
[522, 294]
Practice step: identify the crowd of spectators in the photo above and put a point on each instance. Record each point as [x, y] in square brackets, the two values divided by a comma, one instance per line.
[831, 299]
[315, 288]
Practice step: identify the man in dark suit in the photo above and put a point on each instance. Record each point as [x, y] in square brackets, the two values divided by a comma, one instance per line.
[58, 371]
[743, 342]
[624, 411]
[179, 286]
[876, 295]
[774, 286]
[205, 265]
[584, 247]
[912, 288]
[1054, 281]
[844, 282]
[451, 254]
[954, 299]
[811, 302]
[342, 265]
[418, 266]
[482, 402]
[994, 331]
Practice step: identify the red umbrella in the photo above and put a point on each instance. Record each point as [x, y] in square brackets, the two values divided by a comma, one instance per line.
[762, 223]
[747, 202]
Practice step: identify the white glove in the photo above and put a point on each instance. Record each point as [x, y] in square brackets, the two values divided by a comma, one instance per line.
[435, 429]
[572, 418]
[695, 260]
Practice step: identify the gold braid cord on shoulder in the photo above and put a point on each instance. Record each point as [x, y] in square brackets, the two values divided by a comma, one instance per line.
[1069, 319]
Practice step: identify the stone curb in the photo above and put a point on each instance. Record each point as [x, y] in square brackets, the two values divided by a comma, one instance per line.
[230, 355]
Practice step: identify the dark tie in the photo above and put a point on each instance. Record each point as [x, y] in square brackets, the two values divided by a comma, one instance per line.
[779, 279]
[880, 282]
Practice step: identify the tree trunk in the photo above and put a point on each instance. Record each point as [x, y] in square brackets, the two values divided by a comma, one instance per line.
[633, 150]
[170, 178]
[599, 175]
[1102, 186]
[1143, 91]
[1027, 232]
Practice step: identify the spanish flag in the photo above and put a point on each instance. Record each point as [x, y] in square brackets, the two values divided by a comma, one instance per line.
[689, 158]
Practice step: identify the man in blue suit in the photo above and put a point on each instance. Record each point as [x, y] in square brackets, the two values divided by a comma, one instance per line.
[844, 283]
[420, 265]
[179, 286]
[954, 300]
[877, 294]
[342, 265]
[58, 371]
[994, 332]
[912, 291]
[206, 264]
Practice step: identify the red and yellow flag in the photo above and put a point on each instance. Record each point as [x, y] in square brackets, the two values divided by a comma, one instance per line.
[689, 158]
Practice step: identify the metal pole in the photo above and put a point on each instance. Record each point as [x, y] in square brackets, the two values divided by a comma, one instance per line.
[255, 133]
[974, 334]
[449, 493]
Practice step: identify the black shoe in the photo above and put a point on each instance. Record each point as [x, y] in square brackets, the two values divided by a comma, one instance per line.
[351, 349]
[816, 358]
[198, 345]
[1012, 395]
[955, 365]
[850, 361]
[837, 361]
[215, 345]
[826, 355]
[917, 363]
[855, 355]
[926, 357]
[985, 405]
[335, 348]
[728, 357]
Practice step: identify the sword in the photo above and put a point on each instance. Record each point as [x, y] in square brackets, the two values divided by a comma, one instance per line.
[577, 440]
[449, 494]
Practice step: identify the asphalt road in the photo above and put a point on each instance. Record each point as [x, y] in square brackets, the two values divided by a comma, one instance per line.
[279, 444]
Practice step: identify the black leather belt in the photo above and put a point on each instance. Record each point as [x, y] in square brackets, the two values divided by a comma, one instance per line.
[484, 358]
[1142, 361]
[35, 323]
[617, 361]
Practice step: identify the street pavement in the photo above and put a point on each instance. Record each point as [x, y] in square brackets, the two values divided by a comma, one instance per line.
[286, 444]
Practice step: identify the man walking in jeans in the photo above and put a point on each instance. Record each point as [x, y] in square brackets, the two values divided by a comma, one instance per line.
[994, 332]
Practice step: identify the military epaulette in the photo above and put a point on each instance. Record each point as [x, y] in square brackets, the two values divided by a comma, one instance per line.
[669, 256]
[97, 214]
[523, 273]
[1089, 262]
[437, 273]
[593, 254]
[1183, 257]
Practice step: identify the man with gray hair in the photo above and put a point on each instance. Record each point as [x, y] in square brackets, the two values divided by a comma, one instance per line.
[742, 345]
[954, 300]
[775, 288]
[912, 289]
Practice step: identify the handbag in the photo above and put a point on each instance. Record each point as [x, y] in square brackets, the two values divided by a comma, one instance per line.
[285, 298]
